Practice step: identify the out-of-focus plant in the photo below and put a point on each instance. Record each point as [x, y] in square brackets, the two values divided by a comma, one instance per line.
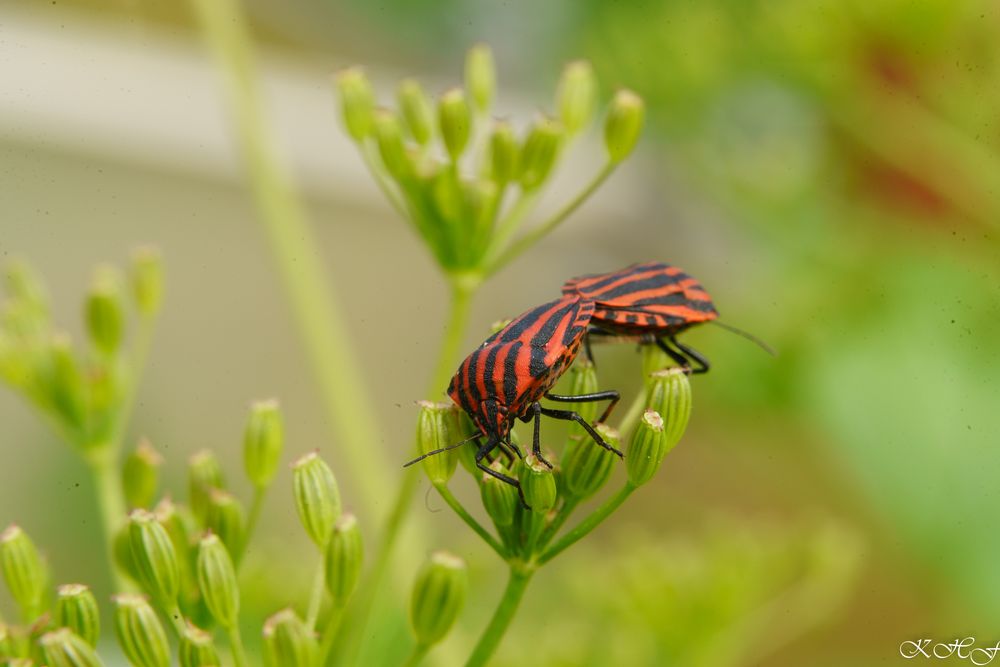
[184, 556]
[85, 390]
[731, 592]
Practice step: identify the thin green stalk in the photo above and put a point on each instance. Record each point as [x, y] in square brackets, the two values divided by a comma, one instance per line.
[508, 226]
[315, 597]
[111, 504]
[533, 236]
[584, 527]
[564, 513]
[417, 655]
[295, 250]
[236, 644]
[469, 520]
[379, 176]
[256, 505]
[176, 620]
[463, 288]
[490, 639]
[633, 413]
[330, 633]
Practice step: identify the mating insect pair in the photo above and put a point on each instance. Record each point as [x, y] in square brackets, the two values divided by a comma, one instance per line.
[504, 379]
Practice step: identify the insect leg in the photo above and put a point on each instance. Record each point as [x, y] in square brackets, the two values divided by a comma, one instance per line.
[536, 439]
[569, 415]
[698, 357]
[679, 358]
[609, 395]
[481, 454]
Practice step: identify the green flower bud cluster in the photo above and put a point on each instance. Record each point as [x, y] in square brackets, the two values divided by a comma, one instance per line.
[448, 168]
[82, 387]
[528, 517]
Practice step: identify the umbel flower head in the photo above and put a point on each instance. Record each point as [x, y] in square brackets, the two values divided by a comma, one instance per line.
[465, 182]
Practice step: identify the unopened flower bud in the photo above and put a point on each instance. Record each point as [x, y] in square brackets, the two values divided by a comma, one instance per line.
[587, 466]
[437, 428]
[418, 112]
[140, 633]
[155, 557]
[538, 484]
[357, 102]
[140, 474]
[204, 474]
[481, 76]
[197, 649]
[288, 642]
[500, 499]
[23, 571]
[217, 580]
[669, 393]
[64, 381]
[504, 154]
[76, 609]
[623, 125]
[646, 449]
[26, 288]
[225, 518]
[576, 95]
[263, 442]
[539, 153]
[121, 549]
[343, 558]
[438, 597]
[178, 527]
[104, 312]
[389, 135]
[147, 280]
[63, 648]
[455, 121]
[317, 497]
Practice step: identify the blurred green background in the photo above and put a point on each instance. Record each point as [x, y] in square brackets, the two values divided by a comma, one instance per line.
[829, 169]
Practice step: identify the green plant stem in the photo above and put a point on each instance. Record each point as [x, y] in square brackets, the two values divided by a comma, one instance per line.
[368, 154]
[533, 236]
[417, 655]
[295, 250]
[110, 503]
[564, 513]
[236, 644]
[176, 620]
[315, 597]
[635, 410]
[463, 288]
[582, 529]
[256, 505]
[469, 520]
[330, 633]
[509, 225]
[502, 616]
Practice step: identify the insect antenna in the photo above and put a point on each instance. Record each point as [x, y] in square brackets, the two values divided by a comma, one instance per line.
[746, 334]
[477, 434]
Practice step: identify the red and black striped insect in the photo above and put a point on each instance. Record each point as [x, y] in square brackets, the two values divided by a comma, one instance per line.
[505, 377]
[653, 301]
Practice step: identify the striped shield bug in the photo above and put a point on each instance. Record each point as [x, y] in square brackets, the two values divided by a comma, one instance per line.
[653, 301]
[505, 377]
